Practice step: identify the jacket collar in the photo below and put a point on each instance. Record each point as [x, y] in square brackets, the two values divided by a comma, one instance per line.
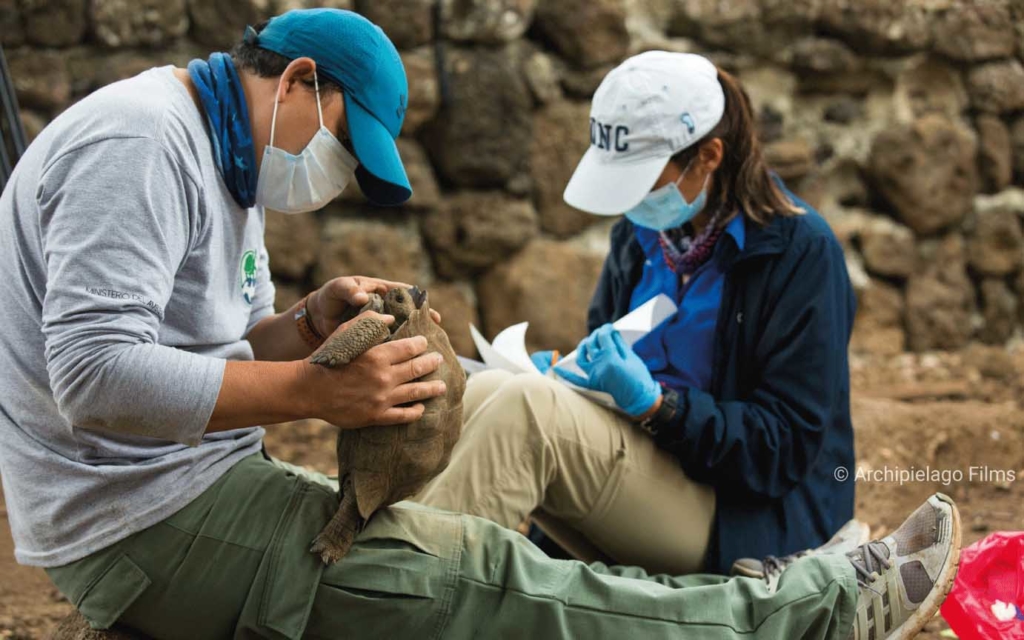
[759, 241]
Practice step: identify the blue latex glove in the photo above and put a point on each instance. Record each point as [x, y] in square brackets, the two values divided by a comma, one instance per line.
[543, 360]
[616, 369]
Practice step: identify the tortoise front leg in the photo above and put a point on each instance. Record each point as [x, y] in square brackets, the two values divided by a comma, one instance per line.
[347, 345]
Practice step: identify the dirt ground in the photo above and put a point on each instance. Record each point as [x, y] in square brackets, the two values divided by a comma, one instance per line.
[944, 413]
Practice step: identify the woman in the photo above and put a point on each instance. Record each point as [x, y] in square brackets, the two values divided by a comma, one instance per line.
[734, 412]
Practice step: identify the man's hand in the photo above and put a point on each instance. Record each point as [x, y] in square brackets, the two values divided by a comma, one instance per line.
[368, 390]
[328, 304]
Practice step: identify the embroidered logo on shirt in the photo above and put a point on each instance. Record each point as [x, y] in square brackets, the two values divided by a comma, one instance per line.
[249, 276]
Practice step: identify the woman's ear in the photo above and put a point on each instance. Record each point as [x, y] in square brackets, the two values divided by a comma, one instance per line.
[711, 154]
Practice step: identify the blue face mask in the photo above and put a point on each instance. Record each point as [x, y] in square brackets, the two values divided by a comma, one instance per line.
[666, 208]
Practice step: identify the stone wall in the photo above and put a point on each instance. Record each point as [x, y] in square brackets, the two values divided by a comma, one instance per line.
[902, 122]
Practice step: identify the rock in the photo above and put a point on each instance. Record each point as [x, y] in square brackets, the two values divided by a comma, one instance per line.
[481, 136]
[1017, 146]
[281, 6]
[995, 155]
[1007, 200]
[425, 192]
[456, 302]
[974, 31]
[926, 171]
[925, 85]
[881, 304]
[91, 68]
[858, 82]
[878, 26]
[54, 23]
[844, 110]
[12, 30]
[424, 93]
[995, 248]
[791, 159]
[542, 77]
[940, 300]
[293, 242]
[33, 122]
[287, 295]
[997, 87]
[409, 23]
[221, 24]
[560, 138]
[991, 362]
[40, 79]
[757, 26]
[588, 32]
[129, 23]
[999, 310]
[486, 21]
[878, 327]
[888, 248]
[582, 83]
[771, 124]
[389, 249]
[820, 55]
[841, 183]
[726, 25]
[521, 289]
[473, 230]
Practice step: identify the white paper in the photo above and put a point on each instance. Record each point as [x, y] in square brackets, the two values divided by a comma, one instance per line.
[508, 351]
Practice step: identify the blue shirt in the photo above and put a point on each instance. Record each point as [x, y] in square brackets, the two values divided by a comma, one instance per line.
[679, 351]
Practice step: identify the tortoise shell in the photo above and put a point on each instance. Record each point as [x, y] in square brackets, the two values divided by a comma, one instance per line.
[387, 464]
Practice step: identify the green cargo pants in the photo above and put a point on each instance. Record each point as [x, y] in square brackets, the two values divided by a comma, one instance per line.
[235, 563]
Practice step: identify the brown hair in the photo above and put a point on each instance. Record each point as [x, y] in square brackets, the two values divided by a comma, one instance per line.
[742, 181]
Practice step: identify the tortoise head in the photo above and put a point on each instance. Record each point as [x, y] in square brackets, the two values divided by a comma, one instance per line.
[402, 302]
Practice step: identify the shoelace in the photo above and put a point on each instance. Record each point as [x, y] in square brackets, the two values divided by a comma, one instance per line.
[773, 566]
[867, 570]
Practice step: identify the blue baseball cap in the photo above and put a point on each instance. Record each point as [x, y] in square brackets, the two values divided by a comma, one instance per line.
[355, 54]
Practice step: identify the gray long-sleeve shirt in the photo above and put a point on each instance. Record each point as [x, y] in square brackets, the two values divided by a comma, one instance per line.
[128, 276]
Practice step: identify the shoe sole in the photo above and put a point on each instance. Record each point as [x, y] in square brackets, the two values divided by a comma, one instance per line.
[943, 584]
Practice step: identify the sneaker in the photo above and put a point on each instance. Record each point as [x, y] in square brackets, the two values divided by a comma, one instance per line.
[852, 535]
[905, 576]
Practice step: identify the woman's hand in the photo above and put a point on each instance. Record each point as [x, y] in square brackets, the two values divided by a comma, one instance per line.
[614, 368]
[544, 360]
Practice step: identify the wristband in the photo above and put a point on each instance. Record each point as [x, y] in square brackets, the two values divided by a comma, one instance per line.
[304, 323]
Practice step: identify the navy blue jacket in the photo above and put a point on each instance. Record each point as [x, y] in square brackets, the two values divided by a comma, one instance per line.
[776, 424]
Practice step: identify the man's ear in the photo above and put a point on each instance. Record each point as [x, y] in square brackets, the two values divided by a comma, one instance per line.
[296, 76]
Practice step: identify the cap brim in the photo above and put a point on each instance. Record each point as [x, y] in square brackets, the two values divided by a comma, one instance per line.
[381, 174]
[609, 189]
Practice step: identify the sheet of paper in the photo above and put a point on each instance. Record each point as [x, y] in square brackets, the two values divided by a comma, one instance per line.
[508, 351]
[632, 326]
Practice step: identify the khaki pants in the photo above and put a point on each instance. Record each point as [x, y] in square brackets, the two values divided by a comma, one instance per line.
[593, 480]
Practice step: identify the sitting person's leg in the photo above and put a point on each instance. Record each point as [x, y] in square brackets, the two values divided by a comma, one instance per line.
[235, 563]
[534, 444]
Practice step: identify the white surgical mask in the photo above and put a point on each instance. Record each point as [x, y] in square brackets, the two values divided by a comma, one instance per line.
[666, 207]
[298, 183]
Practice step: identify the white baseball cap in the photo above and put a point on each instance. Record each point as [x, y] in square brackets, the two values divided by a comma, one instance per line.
[646, 110]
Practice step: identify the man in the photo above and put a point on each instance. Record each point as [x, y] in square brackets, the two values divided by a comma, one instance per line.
[140, 353]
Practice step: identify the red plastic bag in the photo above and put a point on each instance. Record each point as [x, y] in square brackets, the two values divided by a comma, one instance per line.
[987, 600]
